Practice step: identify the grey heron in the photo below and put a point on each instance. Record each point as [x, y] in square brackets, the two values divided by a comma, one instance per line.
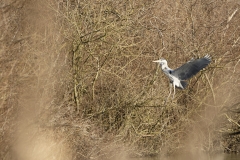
[179, 76]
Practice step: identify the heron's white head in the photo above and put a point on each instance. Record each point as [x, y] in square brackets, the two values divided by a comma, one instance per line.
[161, 61]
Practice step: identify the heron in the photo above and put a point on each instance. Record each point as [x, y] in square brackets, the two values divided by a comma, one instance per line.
[179, 76]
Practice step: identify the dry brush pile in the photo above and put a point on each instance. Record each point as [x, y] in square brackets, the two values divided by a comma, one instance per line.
[117, 87]
[111, 95]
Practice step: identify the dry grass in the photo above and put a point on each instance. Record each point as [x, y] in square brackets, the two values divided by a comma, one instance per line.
[78, 77]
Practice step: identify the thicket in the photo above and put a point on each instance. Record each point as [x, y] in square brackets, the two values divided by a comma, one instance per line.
[117, 87]
[93, 86]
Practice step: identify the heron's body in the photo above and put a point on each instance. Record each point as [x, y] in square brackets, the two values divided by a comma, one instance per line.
[179, 76]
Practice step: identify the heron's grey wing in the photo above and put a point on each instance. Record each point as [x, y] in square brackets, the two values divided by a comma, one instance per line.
[191, 68]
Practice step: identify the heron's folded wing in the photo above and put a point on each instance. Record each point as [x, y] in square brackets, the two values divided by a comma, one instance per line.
[191, 68]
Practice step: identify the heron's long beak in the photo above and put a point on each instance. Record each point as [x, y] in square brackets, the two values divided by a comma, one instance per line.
[157, 61]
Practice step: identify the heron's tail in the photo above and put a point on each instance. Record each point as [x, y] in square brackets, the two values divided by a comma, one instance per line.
[184, 84]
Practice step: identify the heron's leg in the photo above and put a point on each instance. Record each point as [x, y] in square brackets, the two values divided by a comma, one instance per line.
[170, 87]
[173, 91]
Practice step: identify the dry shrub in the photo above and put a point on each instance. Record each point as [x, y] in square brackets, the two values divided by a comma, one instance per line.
[116, 84]
[85, 78]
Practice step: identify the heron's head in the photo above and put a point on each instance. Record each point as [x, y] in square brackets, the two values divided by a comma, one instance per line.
[161, 61]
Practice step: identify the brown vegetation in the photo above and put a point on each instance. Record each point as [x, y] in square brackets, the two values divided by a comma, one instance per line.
[78, 76]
